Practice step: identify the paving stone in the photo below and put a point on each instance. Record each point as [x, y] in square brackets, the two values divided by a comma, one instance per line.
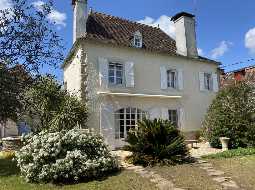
[215, 173]
[230, 184]
[165, 185]
[221, 179]
[206, 165]
[201, 161]
[206, 168]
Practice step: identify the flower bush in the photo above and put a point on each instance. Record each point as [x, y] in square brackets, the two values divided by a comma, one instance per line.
[65, 156]
[156, 141]
[232, 115]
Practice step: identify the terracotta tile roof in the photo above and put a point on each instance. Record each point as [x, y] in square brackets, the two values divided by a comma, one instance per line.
[118, 31]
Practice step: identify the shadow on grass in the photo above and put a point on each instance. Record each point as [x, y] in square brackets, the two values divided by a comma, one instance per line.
[8, 168]
[99, 179]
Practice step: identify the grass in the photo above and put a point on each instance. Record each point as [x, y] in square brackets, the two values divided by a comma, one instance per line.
[232, 153]
[187, 176]
[125, 180]
[241, 169]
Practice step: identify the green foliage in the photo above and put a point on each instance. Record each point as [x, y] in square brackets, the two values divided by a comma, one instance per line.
[232, 153]
[156, 141]
[232, 115]
[66, 156]
[52, 108]
[28, 41]
[12, 83]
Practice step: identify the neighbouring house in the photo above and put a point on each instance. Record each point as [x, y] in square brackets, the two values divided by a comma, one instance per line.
[127, 71]
[246, 73]
[8, 129]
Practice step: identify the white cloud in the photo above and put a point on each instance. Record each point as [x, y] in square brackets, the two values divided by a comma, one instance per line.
[5, 4]
[221, 49]
[54, 16]
[164, 22]
[250, 40]
[200, 51]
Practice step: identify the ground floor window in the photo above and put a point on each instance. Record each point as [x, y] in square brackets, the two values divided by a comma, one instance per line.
[126, 119]
[173, 117]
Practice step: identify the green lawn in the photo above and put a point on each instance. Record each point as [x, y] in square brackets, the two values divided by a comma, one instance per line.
[187, 176]
[241, 169]
[125, 180]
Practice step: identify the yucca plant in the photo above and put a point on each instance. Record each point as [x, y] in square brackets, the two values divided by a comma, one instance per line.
[156, 141]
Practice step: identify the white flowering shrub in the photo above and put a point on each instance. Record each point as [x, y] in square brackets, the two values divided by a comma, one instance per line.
[66, 156]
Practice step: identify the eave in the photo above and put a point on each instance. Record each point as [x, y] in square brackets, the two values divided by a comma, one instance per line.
[121, 94]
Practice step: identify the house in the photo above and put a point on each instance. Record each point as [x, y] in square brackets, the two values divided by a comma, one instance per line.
[246, 73]
[127, 71]
[8, 129]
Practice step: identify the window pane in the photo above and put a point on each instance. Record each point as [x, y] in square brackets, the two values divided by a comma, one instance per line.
[122, 131]
[118, 80]
[111, 80]
[119, 74]
[111, 73]
[173, 117]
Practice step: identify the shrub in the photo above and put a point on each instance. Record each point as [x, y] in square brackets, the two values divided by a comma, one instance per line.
[66, 156]
[232, 153]
[48, 107]
[156, 141]
[232, 115]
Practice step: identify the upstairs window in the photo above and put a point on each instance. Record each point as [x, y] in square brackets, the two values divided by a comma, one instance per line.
[115, 75]
[138, 40]
[208, 81]
[171, 78]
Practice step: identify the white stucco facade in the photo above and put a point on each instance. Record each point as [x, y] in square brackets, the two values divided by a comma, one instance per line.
[145, 92]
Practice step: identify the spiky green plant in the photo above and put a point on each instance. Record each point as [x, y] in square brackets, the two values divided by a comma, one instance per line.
[156, 141]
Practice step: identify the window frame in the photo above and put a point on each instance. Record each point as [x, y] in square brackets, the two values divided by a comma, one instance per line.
[169, 82]
[139, 40]
[129, 120]
[171, 118]
[208, 81]
[114, 76]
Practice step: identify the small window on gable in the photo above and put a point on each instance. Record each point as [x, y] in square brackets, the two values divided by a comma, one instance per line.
[138, 39]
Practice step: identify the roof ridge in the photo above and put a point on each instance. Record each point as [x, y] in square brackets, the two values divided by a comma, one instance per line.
[131, 21]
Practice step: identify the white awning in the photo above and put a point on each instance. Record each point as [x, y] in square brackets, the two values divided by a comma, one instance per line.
[139, 95]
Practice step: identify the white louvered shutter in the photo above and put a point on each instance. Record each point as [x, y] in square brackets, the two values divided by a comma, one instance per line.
[202, 81]
[164, 113]
[163, 77]
[180, 79]
[129, 74]
[107, 124]
[215, 83]
[103, 72]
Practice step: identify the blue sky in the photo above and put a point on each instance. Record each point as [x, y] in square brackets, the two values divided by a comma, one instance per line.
[225, 28]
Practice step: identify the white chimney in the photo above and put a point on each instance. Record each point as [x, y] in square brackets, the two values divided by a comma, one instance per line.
[80, 16]
[185, 34]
